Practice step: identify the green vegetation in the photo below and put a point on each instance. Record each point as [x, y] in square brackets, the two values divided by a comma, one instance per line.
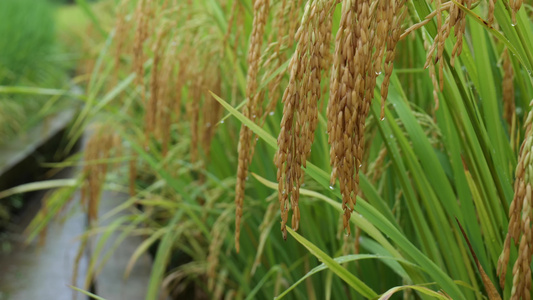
[29, 56]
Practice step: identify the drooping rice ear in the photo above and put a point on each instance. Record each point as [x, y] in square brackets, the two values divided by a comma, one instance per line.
[155, 101]
[390, 25]
[520, 214]
[252, 108]
[300, 113]
[121, 27]
[490, 15]
[368, 30]
[141, 34]
[98, 150]
[343, 104]
[515, 7]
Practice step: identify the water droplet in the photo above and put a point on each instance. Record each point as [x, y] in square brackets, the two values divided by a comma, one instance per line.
[378, 73]
[283, 192]
[360, 165]
[254, 116]
[222, 122]
[257, 139]
[513, 24]
[271, 113]
[331, 187]
[382, 119]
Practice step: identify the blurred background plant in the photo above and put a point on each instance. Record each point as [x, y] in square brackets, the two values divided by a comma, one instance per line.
[29, 56]
[36, 61]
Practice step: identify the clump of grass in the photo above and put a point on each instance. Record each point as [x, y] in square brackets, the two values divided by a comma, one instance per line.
[28, 41]
[30, 55]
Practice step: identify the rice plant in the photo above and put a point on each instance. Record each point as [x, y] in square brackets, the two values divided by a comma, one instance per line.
[394, 134]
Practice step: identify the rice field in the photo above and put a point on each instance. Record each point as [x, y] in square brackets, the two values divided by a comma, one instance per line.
[318, 149]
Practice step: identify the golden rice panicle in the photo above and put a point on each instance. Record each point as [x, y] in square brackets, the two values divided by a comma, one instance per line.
[98, 147]
[365, 30]
[121, 27]
[456, 19]
[343, 104]
[522, 270]
[508, 89]
[520, 214]
[515, 7]
[490, 15]
[390, 25]
[459, 29]
[294, 20]
[155, 80]
[251, 110]
[280, 34]
[300, 112]
[141, 34]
